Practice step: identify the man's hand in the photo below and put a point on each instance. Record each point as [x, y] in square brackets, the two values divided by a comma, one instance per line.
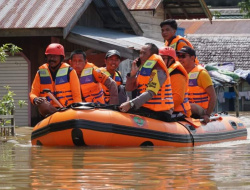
[134, 68]
[39, 100]
[124, 107]
[206, 118]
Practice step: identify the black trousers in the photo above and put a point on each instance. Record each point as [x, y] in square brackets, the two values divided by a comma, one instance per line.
[159, 115]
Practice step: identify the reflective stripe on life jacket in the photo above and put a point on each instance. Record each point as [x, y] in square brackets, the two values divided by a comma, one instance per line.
[116, 78]
[197, 94]
[185, 104]
[60, 88]
[91, 91]
[163, 100]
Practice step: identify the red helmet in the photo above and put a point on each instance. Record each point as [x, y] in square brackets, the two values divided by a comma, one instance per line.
[55, 49]
[168, 51]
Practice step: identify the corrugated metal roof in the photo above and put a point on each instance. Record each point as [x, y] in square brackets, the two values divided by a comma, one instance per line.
[127, 44]
[142, 4]
[37, 13]
[218, 27]
[227, 13]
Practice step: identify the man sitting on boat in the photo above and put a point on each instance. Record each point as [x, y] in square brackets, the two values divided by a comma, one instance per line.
[179, 82]
[91, 78]
[112, 61]
[149, 75]
[201, 93]
[57, 77]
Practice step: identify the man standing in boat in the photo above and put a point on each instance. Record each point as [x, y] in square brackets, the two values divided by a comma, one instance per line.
[91, 78]
[168, 32]
[59, 78]
[201, 93]
[112, 61]
[178, 75]
[149, 75]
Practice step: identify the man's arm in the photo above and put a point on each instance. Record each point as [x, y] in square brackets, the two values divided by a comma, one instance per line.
[131, 83]
[131, 77]
[35, 89]
[109, 83]
[206, 83]
[178, 84]
[75, 87]
[212, 101]
[113, 91]
[158, 78]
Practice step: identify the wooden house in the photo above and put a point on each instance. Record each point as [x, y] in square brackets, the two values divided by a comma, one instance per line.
[150, 13]
[95, 26]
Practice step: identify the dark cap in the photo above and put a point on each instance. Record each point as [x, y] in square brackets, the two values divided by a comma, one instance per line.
[188, 50]
[112, 52]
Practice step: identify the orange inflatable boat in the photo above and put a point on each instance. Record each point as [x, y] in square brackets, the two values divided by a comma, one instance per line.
[87, 125]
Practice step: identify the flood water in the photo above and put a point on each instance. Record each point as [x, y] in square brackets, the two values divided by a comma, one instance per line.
[213, 166]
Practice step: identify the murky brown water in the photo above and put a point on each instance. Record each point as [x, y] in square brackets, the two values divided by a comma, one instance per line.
[215, 166]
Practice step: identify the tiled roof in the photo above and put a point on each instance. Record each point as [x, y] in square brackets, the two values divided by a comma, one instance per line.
[221, 41]
[222, 48]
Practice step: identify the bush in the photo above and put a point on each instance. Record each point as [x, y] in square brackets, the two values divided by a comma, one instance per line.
[7, 104]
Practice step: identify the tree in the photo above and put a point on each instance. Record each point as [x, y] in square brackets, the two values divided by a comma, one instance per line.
[8, 48]
[245, 8]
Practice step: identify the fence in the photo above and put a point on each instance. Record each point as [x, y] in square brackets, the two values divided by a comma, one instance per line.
[7, 128]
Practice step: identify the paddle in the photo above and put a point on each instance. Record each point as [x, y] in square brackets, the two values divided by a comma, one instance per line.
[52, 97]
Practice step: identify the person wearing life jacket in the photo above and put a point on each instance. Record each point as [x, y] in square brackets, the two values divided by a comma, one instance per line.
[168, 32]
[201, 93]
[149, 75]
[91, 78]
[178, 75]
[58, 77]
[112, 61]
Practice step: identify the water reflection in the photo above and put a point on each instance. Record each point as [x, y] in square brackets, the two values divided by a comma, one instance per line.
[131, 168]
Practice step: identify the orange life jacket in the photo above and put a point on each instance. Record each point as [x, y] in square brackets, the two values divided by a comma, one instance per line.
[116, 78]
[197, 94]
[175, 41]
[163, 100]
[185, 104]
[60, 88]
[91, 91]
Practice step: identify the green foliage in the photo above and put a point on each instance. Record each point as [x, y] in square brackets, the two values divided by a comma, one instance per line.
[245, 8]
[8, 48]
[217, 14]
[7, 103]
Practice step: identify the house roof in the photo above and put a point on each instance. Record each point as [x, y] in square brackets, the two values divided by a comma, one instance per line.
[222, 41]
[227, 13]
[181, 9]
[222, 49]
[38, 14]
[58, 17]
[225, 26]
[134, 5]
[129, 45]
